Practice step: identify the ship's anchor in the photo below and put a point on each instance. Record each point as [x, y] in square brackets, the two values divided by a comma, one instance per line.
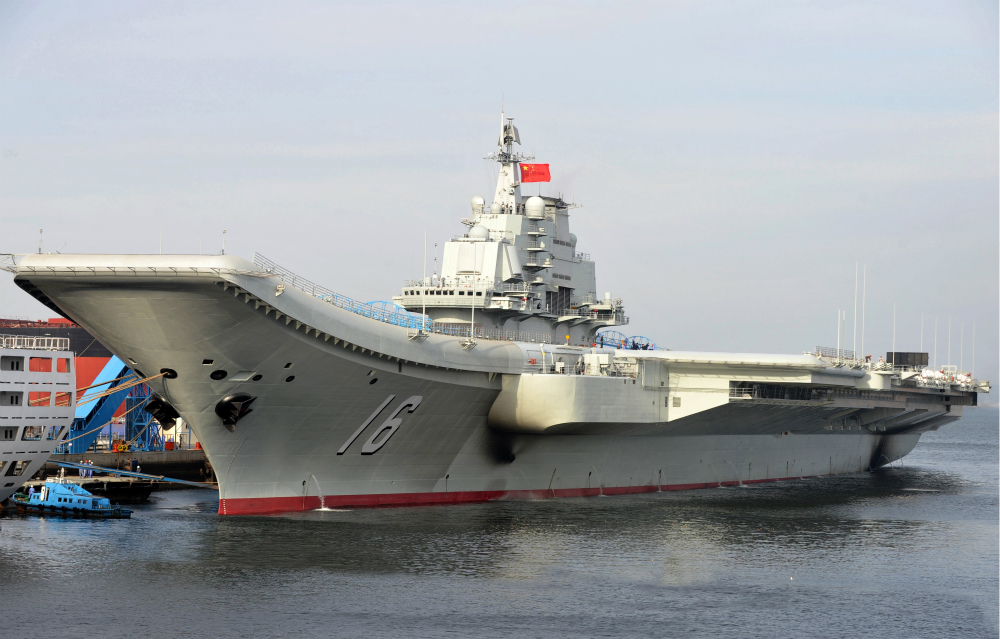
[233, 408]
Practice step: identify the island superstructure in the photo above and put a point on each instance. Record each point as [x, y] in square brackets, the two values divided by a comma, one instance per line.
[516, 268]
[304, 398]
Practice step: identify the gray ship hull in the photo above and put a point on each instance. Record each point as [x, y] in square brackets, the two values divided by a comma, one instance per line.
[319, 374]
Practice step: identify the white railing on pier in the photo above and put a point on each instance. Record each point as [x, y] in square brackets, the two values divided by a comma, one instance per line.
[30, 342]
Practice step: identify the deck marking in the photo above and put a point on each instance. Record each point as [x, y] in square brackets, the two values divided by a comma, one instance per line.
[350, 440]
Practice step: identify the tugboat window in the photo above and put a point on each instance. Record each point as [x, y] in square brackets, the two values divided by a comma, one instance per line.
[290, 378]
[219, 374]
[288, 365]
[207, 362]
[257, 378]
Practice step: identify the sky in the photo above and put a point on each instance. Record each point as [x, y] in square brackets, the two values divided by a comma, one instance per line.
[734, 161]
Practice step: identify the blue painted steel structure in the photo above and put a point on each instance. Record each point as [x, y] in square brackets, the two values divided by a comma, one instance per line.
[611, 339]
[615, 339]
[392, 313]
[91, 415]
[140, 425]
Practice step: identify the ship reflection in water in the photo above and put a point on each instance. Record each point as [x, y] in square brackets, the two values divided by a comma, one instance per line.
[904, 551]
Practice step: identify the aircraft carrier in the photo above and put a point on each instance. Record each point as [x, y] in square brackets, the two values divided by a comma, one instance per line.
[491, 379]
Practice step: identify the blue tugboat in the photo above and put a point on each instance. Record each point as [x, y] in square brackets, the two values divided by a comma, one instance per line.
[69, 499]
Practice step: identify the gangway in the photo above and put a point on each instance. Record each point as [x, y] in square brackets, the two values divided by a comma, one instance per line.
[92, 414]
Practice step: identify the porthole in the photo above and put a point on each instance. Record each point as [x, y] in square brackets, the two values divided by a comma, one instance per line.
[219, 374]
[257, 378]
[374, 379]
[290, 378]
[168, 373]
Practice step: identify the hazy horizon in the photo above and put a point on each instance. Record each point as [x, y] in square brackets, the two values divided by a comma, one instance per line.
[734, 162]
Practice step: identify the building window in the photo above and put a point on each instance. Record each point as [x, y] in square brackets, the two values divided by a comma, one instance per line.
[17, 468]
[39, 398]
[40, 364]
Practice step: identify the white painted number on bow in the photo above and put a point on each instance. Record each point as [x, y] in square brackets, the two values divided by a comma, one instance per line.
[390, 426]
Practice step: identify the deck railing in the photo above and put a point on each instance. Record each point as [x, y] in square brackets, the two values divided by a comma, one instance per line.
[825, 351]
[394, 317]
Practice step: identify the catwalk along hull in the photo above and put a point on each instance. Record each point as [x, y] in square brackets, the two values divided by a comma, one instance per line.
[350, 411]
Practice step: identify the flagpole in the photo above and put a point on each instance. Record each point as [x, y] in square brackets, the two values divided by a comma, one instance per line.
[423, 289]
[864, 294]
[854, 345]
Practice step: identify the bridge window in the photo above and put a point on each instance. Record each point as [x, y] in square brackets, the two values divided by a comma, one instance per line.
[63, 365]
[32, 433]
[8, 434]
[64, 399]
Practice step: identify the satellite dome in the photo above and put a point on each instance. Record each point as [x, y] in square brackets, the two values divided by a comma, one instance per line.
[495, 208]
[535, 206]
[572, 239]
[478, 204]
[479, 232]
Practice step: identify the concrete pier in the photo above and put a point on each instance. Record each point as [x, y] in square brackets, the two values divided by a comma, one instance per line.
[192, 465]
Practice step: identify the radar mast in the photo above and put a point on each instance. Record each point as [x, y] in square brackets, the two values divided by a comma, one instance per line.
[508, 193]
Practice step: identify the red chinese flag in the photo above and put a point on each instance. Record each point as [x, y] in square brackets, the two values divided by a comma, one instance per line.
[535, 173]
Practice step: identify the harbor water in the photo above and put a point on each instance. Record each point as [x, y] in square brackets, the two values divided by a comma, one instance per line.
[907, 551]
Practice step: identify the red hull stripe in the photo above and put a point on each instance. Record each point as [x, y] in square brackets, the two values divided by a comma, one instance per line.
[272, 505]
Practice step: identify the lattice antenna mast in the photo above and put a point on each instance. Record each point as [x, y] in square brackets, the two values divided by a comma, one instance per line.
[508, 193]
